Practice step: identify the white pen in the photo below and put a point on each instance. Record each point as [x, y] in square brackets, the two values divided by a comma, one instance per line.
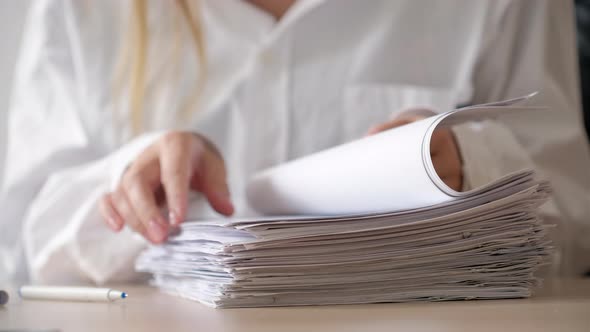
[87, 294]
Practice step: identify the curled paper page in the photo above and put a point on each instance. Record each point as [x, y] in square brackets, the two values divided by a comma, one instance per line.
[389, 171]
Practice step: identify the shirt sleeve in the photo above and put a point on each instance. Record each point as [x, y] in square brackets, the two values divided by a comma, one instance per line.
[530, 46]
[55, 171]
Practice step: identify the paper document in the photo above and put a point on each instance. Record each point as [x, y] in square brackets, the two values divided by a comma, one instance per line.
[365, 222]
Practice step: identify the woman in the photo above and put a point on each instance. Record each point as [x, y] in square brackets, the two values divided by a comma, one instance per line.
[105, 128]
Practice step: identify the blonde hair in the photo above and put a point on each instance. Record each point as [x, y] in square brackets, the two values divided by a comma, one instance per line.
[134, 58]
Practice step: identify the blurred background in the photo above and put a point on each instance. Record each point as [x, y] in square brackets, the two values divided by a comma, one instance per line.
[12, 19]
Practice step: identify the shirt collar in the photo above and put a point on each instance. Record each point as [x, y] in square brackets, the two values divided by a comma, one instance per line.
[298, 10]
[254, 24]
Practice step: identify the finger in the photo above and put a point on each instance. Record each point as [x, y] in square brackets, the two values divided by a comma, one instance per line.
[443, 143]
[444, 166]
[394, 123]
[387, 125]
[109, 214]
[454, 183]
[143, 201]
[176, 169]
[125, 210]
[447, 165]
[441, 139]
[160, 196]
[211, 181]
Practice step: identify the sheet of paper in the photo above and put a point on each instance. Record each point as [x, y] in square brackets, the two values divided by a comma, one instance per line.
[389, 171]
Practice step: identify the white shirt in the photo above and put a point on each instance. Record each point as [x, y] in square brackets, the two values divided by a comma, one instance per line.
[321, 76]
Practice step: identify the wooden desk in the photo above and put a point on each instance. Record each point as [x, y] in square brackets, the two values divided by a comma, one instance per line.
[562, 305]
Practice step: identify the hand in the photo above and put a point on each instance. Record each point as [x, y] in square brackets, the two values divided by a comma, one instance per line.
[165, 172]
[443, 150]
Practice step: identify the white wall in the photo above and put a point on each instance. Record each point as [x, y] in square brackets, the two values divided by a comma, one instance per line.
[12, 16]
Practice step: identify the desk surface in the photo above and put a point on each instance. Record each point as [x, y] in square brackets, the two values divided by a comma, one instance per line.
[561, 305]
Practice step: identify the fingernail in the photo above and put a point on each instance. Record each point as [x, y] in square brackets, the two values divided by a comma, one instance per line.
[225, 194]
[156, 231]
[174, 230]
[230, 206]
[173, 218]
[231, 210]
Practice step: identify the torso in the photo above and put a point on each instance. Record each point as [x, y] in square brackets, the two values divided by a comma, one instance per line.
[281, 90]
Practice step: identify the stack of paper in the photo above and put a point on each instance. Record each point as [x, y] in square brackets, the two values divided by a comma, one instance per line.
[432, 244]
